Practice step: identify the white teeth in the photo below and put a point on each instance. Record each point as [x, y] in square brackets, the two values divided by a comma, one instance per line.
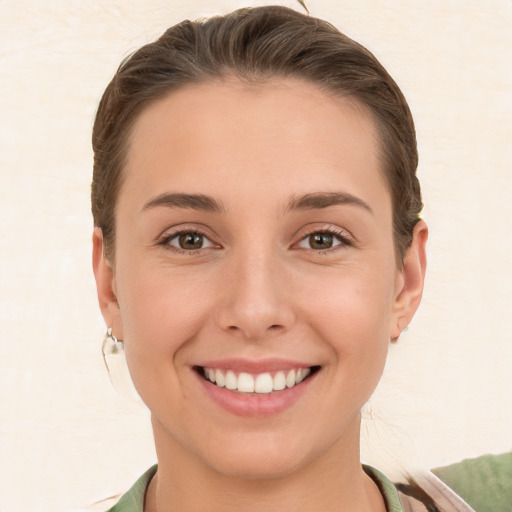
[262, 383]
[219, 379]
[231, 380]
[290, 379]
[279, 381]
[302, 374]
[246, 383]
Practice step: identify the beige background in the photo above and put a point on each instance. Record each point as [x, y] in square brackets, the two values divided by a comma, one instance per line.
[66, 437]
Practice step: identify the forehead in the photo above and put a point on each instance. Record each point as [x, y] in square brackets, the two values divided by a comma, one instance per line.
[284, 133]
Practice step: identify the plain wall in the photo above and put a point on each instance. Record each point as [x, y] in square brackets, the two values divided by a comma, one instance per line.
[66, 437]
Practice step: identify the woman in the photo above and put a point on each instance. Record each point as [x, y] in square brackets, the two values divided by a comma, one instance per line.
[257, 246]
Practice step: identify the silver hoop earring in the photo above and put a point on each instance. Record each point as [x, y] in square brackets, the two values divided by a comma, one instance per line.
[111, 346]
[115, 362]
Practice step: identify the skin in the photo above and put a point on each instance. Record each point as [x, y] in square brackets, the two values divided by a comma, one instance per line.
[257, 289]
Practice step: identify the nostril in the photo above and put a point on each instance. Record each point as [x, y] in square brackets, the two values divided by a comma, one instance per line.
[273, 327]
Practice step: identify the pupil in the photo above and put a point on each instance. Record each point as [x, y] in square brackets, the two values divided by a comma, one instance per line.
[320, 241]
[191, 241]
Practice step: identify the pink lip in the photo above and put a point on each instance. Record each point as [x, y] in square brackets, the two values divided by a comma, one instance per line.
[254, 366]
[255, 405]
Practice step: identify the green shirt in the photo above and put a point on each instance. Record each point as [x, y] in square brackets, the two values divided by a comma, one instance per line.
[133, 500]
[485, 483]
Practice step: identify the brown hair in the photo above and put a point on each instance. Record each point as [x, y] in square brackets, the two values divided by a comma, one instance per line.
[255, 44]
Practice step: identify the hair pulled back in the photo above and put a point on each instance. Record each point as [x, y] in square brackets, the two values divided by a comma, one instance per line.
[255, 44]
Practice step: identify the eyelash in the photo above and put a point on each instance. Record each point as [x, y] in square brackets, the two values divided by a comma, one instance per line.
[341, 237]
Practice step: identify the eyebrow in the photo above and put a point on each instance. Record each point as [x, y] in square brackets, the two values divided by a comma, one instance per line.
[193, 201]
[319, 200]
[201, 202]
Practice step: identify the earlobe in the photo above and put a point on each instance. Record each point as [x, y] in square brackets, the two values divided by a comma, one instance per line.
[411, 281]
[105, 284]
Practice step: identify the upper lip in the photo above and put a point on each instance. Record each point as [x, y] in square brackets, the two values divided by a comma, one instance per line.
[254, 366]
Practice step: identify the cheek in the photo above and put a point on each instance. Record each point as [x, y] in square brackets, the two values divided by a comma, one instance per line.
[358, 299]
[162, 310]
[350, 310]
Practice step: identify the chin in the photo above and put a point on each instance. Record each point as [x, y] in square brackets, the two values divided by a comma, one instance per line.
[257, 467]
[257, 457]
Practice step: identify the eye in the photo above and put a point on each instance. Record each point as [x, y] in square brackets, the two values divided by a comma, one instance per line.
[322, 240]
[188, 241]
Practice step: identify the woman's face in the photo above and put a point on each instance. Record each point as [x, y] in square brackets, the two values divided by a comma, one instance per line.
[254, 239]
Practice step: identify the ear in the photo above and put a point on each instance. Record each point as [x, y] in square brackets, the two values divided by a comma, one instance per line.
[105, 285]
[410, 280]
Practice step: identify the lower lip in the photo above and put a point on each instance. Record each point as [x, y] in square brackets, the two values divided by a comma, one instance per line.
[255, 405]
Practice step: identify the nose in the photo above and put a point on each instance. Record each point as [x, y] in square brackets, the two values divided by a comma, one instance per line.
[255, 303]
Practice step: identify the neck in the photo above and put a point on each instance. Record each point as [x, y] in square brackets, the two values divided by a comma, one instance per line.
[331, 483]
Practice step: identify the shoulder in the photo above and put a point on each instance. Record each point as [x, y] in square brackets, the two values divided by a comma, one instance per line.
[395, 501]
[131, 501]
[99, 506]
[425, 492]
[484, 482]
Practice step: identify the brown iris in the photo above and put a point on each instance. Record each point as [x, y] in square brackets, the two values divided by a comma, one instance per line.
[190, 241]
[321, 241]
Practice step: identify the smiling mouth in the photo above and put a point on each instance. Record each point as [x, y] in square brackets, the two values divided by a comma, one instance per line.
[261, 383]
